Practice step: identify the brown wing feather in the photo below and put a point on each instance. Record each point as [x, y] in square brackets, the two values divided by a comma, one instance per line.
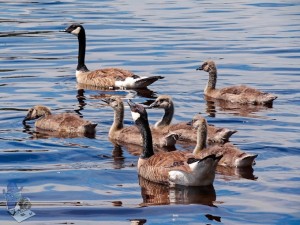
[66, 122]
[229, 151]
[132, 135]
[186, 132]
[244, 94]
[104, 77]
[157, 167]
[115, 73]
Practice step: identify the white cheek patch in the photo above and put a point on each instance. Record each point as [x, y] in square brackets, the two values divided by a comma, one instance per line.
[76, 31]
[193, 165]
[135, 115]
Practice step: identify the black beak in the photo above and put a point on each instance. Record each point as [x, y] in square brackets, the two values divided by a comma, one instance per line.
[190, 123]
[199, 68]
[153, 105]
[106, 100]
[131, 104]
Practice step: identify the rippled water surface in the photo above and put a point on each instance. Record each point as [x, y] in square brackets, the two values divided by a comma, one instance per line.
[91, 181]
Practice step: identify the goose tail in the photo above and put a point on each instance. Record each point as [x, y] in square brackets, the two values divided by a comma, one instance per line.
[143, 82]
[246, 161]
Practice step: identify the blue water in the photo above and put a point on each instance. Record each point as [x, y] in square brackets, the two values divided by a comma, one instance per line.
[89, 181]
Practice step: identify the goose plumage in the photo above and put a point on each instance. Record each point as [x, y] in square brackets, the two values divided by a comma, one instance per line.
[185, 129]
[232, 156]
[131, 134]
[64, 122]
[236, 94]
[106, 77]
[170, 168]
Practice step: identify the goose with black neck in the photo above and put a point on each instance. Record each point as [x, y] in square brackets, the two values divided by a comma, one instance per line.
[111, 78]
[170, 168]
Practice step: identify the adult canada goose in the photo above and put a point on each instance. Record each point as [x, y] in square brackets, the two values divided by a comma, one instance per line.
[64, 122]
[131, 134]
[171, 168]
[184, 129]
[232, 156]
[238, 94]
[108, 77]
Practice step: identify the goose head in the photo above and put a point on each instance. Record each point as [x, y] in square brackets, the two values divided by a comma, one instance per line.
[199, 122]
[163, 101]
[75, 29]
[207, 66]
[138, 113]
[37, 112]
[114, 101]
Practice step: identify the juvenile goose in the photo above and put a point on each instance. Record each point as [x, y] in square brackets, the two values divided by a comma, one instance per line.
[232, 156]
[108, 77]
[171, 168]
[238, 94]
[64, 122]
[184, 129]
[131, 134]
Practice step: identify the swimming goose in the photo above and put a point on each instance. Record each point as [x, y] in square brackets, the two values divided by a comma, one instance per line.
[185, 130]
[238, 94]
[64, 122]
[170, 168]
[131, 134]
[108, 77]
[232, 156]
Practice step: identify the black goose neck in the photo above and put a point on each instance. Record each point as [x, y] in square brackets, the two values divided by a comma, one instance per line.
[147, 139]
[81, 51]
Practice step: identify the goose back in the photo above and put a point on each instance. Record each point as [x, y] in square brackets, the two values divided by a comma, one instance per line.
[64, 122]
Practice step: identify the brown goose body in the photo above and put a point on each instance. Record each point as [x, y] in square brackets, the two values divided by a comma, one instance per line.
[106, 77]
[236, 94]
[171, 168]
[64, 122]
[185, 130]
[232, 156]
[131, 134]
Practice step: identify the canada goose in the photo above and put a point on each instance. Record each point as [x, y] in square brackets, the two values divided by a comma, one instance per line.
[64, 122]
[108, 77]
[232, 156]
[185, 130]
[239, 94]
[131, 134]
[171, 168]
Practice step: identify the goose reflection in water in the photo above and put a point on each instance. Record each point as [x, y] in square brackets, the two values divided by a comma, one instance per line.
[213, 106]
[143, 92]
[106, 93]
[158, 194]
[235, 173]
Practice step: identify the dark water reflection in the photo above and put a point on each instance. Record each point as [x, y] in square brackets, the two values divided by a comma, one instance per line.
[157, 194]
[93, 181]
